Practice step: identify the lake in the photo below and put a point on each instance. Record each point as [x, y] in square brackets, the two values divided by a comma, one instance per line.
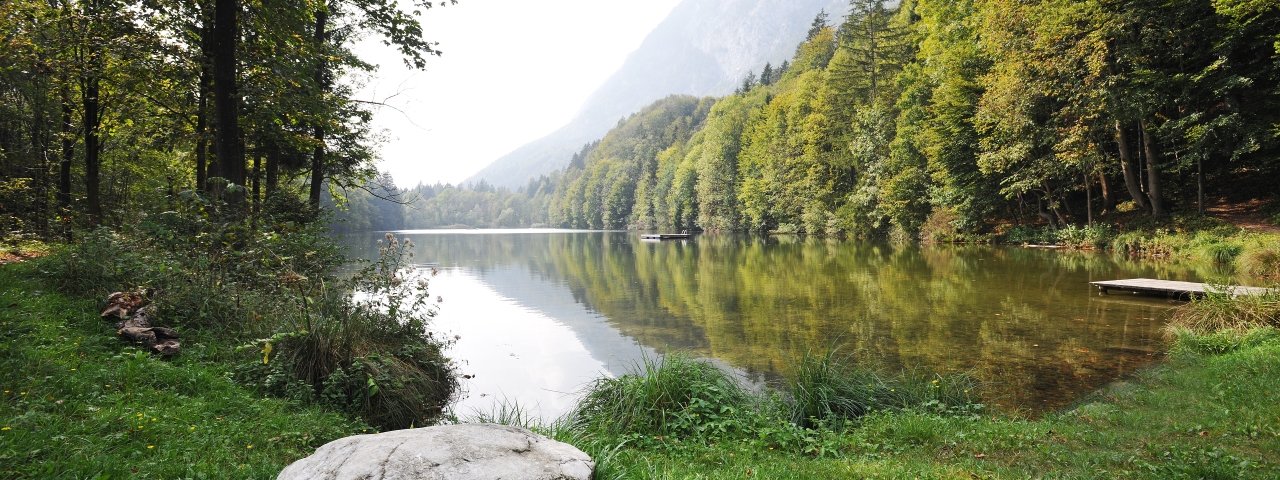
[538, 314]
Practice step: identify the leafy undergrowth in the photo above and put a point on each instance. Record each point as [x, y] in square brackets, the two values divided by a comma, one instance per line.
[1209, 412]
[75, 402]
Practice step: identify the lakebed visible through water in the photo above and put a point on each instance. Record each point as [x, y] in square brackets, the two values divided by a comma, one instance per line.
[540, 313]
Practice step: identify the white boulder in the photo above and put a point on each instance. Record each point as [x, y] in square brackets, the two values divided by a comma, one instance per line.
[466, 451]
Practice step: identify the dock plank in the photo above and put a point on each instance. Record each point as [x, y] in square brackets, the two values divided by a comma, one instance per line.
[1175, 288]
[664, 236]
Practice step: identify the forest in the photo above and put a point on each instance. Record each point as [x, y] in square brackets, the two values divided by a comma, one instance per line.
[112, 110]
[937, 120]
[928, 119]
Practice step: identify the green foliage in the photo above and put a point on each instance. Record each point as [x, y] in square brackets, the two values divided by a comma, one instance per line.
[371, 356]
[75, 402]
[357, 344]
[1096, 236]
[828, 389]
[617, 184]
[993, 112]
[674, 397]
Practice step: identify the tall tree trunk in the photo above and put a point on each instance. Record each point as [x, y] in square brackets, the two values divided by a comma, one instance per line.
[273, 168]
[68, 151]
[1108, 200]
[1199, 186]
[1131, 180]
[257, 173]
[203, 133]
[1153, 170]
[317, 155]
[92, 149]
[225, 97]
[1088, 199]
[40, 145]
[202, 136]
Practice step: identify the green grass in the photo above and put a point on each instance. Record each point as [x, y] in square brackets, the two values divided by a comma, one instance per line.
[1217, 312]
[76, 402]
[1255, 254]
[1196, 416]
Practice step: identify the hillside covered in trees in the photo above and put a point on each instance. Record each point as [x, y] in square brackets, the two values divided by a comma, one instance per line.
[947, 117]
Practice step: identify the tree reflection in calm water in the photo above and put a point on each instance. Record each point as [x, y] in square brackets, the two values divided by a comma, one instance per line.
[1025, 322]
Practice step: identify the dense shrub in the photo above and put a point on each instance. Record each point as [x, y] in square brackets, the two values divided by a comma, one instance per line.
[359, 344]
[1075, 236]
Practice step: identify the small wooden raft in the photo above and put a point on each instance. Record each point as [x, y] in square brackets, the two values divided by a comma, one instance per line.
[1172, 288]
[664, 236]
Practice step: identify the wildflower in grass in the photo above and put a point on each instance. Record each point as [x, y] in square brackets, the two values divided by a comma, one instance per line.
[150, 446]
[5, 428]
[249, 447]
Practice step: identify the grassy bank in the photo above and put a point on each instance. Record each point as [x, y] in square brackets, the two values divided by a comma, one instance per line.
[1197, 239]
[1209, 412]
[76, 402]
[279, 353]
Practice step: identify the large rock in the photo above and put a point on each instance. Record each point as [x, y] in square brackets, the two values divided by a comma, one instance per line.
[467, 451]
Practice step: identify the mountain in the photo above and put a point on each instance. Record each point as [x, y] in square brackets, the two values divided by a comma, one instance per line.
[704, 47]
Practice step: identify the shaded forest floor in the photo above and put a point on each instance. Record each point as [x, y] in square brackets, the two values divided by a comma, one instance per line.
[1254, 214]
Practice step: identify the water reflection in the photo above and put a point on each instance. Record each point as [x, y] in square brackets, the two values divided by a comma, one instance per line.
[542, 313]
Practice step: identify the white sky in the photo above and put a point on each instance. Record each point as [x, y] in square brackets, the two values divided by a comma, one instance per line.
[512, 72]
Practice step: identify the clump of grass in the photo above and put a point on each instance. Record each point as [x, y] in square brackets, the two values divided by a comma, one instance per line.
[1220, 342]
[1222, 312]
[1261, 261]
[511, 412]
[823, 388]
[831, 388]
[675, 396]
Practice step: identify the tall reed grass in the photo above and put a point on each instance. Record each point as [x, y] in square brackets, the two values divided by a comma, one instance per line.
[1219, 311]
[673, 396]
[830, 388]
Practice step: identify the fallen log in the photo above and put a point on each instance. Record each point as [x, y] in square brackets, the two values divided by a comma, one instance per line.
[122, 304]
[135, 314]
[160, 340]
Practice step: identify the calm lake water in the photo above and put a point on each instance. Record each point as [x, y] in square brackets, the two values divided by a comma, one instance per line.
[540, 313]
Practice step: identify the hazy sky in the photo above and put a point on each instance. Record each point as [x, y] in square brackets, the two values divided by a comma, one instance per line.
[512, 71]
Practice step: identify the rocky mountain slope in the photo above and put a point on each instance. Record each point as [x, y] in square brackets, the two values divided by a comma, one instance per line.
[704, 47]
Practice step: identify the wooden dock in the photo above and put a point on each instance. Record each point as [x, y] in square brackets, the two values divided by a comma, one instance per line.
[1169, 288]
[664, 236]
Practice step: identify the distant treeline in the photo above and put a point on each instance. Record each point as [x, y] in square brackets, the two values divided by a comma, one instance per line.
[941, 117]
